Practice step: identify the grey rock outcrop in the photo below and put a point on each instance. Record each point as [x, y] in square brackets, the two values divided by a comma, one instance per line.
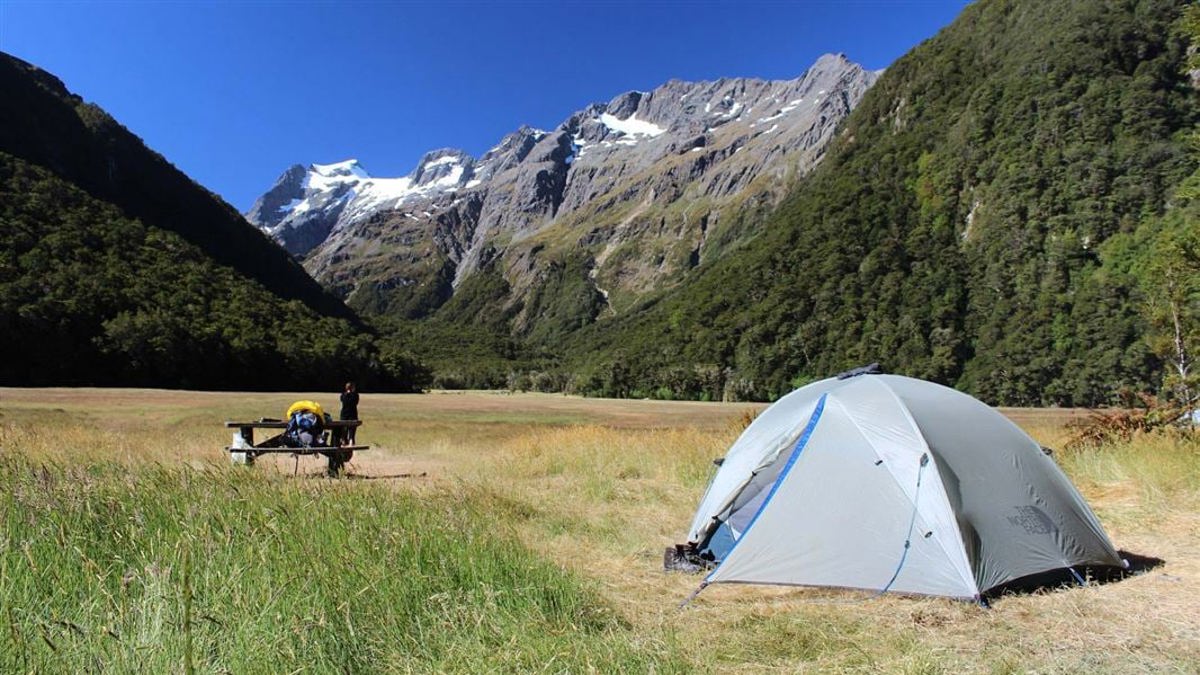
[643, 188]
[271, 208]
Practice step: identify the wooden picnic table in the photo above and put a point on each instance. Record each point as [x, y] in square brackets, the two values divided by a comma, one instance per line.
[331, 446]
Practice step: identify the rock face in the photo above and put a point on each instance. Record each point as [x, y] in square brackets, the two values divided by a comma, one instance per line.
[632, 194]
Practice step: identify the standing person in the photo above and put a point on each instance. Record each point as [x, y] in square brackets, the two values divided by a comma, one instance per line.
[349, 412]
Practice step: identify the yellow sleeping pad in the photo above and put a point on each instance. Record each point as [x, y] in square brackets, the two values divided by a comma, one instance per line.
[305, 406]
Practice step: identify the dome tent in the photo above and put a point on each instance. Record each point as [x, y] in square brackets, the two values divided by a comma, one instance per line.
[888, 483]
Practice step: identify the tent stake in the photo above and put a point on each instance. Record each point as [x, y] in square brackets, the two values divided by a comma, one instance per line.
[683, 605]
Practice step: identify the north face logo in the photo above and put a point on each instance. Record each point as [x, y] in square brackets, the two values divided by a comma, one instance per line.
[1031, 519]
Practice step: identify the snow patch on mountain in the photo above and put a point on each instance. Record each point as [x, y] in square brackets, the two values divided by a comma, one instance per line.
[631, 126]
[349, 169]
[384, 192]
[441, 161]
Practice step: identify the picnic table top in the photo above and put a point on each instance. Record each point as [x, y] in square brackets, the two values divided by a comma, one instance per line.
[282, 424]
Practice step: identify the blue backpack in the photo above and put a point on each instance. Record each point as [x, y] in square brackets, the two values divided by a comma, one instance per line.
[304, 429]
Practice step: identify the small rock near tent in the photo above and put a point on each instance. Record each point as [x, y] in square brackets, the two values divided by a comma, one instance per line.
[888, 483]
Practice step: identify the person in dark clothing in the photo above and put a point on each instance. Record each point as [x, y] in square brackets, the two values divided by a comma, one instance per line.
[349, 412]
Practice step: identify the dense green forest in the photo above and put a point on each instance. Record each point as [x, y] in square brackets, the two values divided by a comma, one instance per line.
[89, 296]
[42, 123]
[995, 215]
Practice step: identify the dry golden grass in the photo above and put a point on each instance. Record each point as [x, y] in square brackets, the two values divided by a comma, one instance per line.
[602, 487]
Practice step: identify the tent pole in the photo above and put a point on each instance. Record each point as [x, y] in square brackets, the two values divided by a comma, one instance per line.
[1078, 578]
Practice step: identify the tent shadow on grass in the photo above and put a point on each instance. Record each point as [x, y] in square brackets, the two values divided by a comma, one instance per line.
[1060, 578]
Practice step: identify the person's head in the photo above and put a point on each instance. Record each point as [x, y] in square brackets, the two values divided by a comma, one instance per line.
[349, 386]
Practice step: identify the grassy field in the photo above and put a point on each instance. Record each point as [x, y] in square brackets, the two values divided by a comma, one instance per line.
[494, 533]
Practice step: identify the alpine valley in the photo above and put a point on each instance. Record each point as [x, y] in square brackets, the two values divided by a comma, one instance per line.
[1011, 208]
[1005, 210]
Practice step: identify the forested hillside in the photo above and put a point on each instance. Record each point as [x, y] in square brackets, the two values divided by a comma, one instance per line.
[116, 269]
[90, 296]
[43, 123]
[991, 217]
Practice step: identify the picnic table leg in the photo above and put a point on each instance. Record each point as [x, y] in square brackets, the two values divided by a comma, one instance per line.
[337, 461]
[245, 456]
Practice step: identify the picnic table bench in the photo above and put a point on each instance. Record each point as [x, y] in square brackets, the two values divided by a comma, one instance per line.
[244, 449]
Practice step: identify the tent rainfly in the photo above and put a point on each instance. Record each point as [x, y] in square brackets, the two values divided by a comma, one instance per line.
[888, 483]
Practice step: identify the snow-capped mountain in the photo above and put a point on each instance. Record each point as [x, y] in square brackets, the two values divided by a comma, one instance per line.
[307, 204]
[639, 190]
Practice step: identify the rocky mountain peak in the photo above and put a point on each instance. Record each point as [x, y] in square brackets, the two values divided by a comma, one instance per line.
[271, 208]
[643, 188]
[447, 167]
[626, 104]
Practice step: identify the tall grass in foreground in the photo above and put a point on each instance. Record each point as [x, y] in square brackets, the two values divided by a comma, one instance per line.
[436, 573]
[115, 568]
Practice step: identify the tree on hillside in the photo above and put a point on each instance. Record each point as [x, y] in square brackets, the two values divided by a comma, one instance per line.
[1172, 279]
[1172, 286]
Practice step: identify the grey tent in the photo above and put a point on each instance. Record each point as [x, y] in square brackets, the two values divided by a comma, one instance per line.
[888, 483]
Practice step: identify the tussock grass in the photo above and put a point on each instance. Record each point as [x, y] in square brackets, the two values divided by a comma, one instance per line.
[101, 569]
[532, 543]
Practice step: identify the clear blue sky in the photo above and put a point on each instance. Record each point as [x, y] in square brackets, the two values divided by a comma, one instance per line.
[235, 92]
